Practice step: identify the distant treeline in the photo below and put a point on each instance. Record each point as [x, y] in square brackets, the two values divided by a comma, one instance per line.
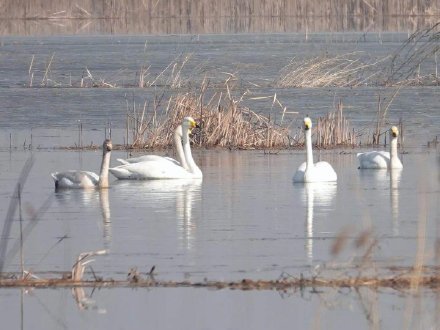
[214, 16]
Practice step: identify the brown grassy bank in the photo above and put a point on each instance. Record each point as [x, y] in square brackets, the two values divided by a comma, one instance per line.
[398, 282]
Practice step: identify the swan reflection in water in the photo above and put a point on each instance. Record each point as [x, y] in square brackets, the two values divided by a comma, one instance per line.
[381, 180]
[317, 196]
[72, 198]
[395, 176]
[180, 195]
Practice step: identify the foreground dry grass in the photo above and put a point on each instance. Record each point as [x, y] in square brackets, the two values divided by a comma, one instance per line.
[402, 279]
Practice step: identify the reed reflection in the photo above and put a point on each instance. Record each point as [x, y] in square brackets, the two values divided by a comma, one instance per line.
[319, 196]
[179, 195]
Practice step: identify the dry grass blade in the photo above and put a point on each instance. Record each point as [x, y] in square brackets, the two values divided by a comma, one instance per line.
[83, 260]
[405, 64]
[11, 211]
[346, 70]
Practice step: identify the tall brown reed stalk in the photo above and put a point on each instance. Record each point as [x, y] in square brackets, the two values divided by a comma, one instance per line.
[334, 130]
[381, 115]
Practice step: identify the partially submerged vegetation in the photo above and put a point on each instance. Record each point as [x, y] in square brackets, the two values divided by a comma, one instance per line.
[403, 279]
[223, 108]
[224, 122]
[404, 67]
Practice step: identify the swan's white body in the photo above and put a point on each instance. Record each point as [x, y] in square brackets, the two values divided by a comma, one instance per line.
[179, 149]
[308, 171]
[382, 159]
[156, 167]
[84, 179]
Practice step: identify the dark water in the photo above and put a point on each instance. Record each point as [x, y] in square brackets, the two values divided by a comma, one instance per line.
[244, 220]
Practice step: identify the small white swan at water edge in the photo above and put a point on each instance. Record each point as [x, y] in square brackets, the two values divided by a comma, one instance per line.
[75, 179]
[308, 171]
[382, 159]
[158, 168]
[179, 150]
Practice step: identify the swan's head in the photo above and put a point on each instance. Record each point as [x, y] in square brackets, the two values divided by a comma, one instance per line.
[107, 146]
[307, 123]
[394, 132]
[189, 123]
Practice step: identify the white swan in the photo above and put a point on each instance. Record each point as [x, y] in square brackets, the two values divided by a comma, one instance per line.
[84, 179]
[161, 168]
[308, 171]
[382, 159]
[179, 149]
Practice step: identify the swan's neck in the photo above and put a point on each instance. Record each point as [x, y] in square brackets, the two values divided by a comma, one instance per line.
[193, 168]
[309, 151]
[103, 174]
[179, 148]
[394, 157]
[393, 147]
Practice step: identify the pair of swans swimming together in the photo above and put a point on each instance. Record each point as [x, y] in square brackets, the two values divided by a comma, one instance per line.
[324, 172]
[146, 167]
[158, 167]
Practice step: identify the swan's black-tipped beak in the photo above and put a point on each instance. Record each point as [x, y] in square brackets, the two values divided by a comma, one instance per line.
[307, 123]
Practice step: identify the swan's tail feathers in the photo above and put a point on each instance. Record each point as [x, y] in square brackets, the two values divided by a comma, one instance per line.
[120, 173]
[55, 178]
[122, 161]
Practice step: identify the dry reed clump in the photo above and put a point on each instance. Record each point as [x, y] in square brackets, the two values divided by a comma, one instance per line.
[406, 64]
[224, 122]
[171, 76]
[334, 130]
[346, 70]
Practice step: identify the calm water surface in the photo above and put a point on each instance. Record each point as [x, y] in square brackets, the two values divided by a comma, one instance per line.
[46, 114]
[244, 220]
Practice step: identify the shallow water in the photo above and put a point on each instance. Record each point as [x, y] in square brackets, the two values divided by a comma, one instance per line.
[50, 116]
[246, 219]
[161, 308]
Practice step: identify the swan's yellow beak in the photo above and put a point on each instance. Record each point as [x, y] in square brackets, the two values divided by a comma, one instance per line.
[394, 131]
[193, 124]
[307, 123]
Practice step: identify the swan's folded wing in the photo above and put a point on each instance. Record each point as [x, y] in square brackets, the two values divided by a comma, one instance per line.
[146, 158]
[374, 159]
[147, 170]
[326, 172]
[73, 179]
